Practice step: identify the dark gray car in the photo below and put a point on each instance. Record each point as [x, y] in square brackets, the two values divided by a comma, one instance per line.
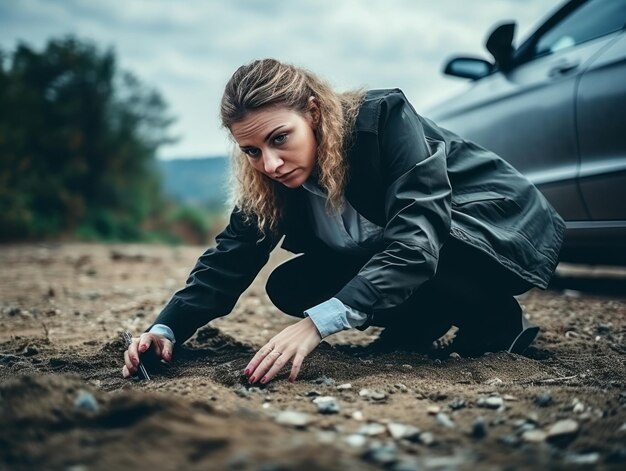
[555, 108]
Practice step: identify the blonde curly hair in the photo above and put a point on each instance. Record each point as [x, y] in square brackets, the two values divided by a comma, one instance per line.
[269, 82]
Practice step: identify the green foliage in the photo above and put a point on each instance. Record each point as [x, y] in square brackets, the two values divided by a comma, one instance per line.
[77, 144]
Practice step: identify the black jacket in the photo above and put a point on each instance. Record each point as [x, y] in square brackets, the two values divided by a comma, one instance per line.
[421, 183]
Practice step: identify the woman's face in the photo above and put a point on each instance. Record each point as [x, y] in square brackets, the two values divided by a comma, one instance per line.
[279, 142]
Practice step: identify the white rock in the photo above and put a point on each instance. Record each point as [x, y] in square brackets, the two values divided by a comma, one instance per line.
[372, 429]
[344, 386]
[491, 402]
[494, 382]
[326, 404]
[427, 438]
[293, 418]
[399, 431]
[355, 440]
[563, 428]
[534, 436]
[433, 410]
[357, 415]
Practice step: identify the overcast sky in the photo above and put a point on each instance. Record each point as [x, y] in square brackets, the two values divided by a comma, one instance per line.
[188, 49]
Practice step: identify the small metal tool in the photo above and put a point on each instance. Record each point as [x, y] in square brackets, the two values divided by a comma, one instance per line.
[128, 339]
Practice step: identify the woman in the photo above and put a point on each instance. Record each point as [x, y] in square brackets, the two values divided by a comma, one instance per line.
[400, 224]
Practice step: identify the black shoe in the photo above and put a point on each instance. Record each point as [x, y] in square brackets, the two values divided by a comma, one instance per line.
[475, 342]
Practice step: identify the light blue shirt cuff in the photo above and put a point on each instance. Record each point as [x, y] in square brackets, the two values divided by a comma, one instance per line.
[333, 316]
[165, 331]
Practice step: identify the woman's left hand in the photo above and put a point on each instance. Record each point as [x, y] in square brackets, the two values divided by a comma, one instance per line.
[297, 340]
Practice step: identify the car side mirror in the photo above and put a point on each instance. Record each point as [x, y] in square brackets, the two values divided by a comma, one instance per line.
[468, 67]
[500, 45]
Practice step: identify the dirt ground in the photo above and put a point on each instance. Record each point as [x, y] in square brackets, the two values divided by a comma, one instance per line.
[64, 404]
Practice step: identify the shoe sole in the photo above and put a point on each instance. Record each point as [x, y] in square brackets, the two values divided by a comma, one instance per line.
[523, 340]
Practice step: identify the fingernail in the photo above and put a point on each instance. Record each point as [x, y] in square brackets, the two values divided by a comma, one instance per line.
[251, 380]
[246, 372]
[264, 379]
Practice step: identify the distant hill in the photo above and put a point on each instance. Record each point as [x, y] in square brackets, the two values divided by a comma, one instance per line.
[201, 181]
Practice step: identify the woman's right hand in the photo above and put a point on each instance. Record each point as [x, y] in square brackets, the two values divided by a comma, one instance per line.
[161, 347]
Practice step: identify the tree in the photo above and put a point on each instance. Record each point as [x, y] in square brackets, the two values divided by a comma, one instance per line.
[78, 140]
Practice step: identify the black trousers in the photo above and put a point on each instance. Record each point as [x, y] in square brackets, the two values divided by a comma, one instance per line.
[469, 290]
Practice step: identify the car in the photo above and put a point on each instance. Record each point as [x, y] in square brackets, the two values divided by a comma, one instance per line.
[555, 108]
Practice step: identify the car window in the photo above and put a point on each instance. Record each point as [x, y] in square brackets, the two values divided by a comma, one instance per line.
[593, 19]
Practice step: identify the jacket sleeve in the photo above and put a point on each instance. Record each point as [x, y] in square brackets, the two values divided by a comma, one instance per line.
[218, 278]
[417, 208]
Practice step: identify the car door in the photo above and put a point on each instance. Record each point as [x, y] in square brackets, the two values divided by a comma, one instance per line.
[527, 113]
[601, 123]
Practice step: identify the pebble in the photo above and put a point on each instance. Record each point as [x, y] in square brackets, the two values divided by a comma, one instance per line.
[587, 458]
[479, 428]
[427, 438]
[344, 387]
[402, 387]
[85, 402]
[293, 418]
[324, 380]
[326, 405]
[494, 382]
[491, 402]
[578, 407]
[457, 404]
[355, 440]
[543, 399]
[312, 393]
[372, 394]
[454, 356]
[444, 420]
[562, 431]
[384, 454]
[433, 410]
[372, 429]
[357, 415]
[534, 436]
[510, 440]
[400, 431]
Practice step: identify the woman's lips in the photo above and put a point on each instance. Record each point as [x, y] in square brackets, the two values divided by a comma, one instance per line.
[286, 176]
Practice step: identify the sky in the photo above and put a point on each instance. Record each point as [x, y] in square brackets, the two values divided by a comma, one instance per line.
[188, 49]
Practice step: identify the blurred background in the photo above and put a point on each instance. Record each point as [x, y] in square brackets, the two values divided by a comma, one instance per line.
[109, 125]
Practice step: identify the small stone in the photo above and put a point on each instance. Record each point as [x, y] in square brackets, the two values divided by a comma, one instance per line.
[85, 402]
[491, 402]
[444, 420]
[357, 415]
[400, 431]
[479, 428]
[427, 438]
[433, 410]
[372, 429]
[534, 436]
[30, 350]
[312, 393]
[344, 387]
[324, 380]
[407, 367]
[457, 404]
[510, 440]
[570, 334]
[543, 399]
[372, 394]
[494, 382]
[562, 432]
[454, 356]
[383, 454]
[400, 386]
[355, 440]
[508, 397]
[294, 418]
[326, 405]
[578, 407]
[587, 458]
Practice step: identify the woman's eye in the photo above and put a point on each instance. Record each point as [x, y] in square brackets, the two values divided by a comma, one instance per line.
[280, 138]
[252, 152]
